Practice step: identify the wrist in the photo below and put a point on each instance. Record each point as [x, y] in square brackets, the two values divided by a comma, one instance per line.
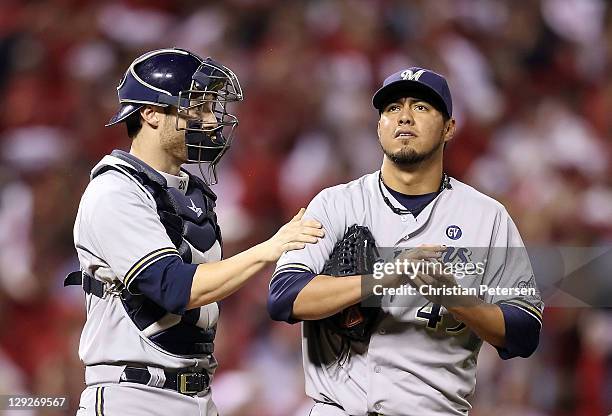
[262, 253]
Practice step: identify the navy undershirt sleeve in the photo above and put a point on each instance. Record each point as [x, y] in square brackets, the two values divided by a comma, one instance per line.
[167, 282]
[284, 288]
[522, 333]
[413, 203]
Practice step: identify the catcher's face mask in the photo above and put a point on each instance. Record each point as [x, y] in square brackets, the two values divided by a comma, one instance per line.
[197, 88]
[214, 86]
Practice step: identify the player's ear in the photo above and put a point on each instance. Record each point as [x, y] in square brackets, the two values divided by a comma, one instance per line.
[150, 116]
[449, 130]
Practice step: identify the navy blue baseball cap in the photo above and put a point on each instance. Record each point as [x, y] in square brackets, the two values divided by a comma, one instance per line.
[415, 80]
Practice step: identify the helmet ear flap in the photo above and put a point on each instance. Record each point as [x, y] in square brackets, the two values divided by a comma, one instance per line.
[125, 111]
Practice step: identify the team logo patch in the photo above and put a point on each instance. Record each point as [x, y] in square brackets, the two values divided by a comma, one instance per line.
[408, 75]
[453, 232]
[195, 209]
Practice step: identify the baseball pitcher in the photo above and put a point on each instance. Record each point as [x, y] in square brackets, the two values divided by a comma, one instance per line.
[414, 352]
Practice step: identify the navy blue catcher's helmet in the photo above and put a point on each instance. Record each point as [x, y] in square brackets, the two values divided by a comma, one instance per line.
[178, 78]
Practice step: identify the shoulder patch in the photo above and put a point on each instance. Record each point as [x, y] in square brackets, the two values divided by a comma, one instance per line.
[454, 232]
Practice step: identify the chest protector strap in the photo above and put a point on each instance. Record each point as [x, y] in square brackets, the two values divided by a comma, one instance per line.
[189, 219]
[191, 224]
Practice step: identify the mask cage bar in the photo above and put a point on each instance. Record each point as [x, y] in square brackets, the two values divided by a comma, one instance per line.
[216, 85]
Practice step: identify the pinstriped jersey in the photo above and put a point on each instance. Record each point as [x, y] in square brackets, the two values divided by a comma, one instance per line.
[118, 234]
[419, 360]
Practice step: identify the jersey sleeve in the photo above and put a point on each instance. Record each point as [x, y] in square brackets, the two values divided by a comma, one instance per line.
[295, 269]
[522, 333]
[509, 270]
[123, 226]
[284, 289]
[167, 282]
[327, 210]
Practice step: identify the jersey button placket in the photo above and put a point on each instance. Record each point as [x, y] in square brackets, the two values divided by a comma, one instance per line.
[377, 369]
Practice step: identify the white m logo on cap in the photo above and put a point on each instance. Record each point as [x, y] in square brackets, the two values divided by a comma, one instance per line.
[408, 75]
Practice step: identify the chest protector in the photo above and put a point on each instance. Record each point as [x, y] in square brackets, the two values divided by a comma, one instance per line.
[191, 224]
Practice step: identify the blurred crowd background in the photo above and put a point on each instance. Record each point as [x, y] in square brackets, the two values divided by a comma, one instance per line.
[533, 96]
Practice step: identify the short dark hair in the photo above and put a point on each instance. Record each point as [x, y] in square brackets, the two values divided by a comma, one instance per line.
[133, 123]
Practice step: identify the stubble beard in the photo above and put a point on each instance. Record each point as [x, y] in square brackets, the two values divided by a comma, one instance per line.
[407, 156]
[173, 141]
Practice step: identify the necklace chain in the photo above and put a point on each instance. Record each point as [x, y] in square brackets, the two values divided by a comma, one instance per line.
[444, 184]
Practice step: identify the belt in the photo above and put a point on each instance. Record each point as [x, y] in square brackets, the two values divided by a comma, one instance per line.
[183, 381]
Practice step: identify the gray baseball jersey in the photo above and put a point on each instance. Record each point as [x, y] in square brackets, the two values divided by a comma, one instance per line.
[419, 359]
[118, 234]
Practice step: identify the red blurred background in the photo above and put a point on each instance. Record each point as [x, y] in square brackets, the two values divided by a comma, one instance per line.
[532, 90]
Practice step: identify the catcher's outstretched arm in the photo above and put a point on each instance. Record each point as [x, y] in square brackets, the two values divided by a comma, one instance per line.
[215, 281]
